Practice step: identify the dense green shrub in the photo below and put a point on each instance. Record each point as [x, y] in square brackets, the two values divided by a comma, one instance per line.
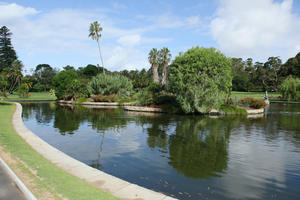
[144, 97]
[200, 79]
[290, 89]
[102, 98]
[38, 87]
[231, 109]
[75, 89]
[3, 85]
[110, 84]
[252, 103]
[23, 91]
[62, 81]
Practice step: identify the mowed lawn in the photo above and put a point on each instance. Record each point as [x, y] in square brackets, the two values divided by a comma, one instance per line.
[256, 95]
[33, 96]
[44, 179]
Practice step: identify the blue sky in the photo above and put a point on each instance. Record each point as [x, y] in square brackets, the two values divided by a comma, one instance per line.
[56, 32]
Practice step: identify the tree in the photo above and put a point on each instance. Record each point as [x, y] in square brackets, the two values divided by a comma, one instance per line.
[95, 34]
[110, 85]
[7, 52]
[200, 79]
[68, 67]
[165, 58]
[62, 81]
[240, 76]
[153, 59]
[3, 85]
[44, 74]
[291, 67]
[14, 74]
[290, 89]
[273, 66]
[89, 71]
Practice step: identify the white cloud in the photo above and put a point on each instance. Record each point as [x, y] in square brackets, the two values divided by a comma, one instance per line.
[64, 33]
[193, 21]
[14, 11]
[130, 40]
[124, 57]
[256, 28]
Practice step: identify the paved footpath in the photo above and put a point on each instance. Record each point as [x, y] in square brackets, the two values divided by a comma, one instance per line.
[8, 190]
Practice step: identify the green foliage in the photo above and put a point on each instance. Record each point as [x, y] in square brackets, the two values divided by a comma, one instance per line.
[3, 85]
[23, 90]
[144, 98]
[102, 98]
[200, 79]
[291, 67]
[252, 103]
[76, 89]
[7, 52]
[82, 100]
[38, 87]
[231, 109]
[61, 82]
[155, 88]
[140, 79]
[43, 74]
[290, 89]
[110, 84]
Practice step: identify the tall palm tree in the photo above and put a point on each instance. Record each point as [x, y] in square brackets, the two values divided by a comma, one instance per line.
[153, 59]
[95, 34]
[165, 58]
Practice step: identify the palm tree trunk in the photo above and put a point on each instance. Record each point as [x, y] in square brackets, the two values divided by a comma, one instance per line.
[164, 74]
[155, 73]
[100, 56]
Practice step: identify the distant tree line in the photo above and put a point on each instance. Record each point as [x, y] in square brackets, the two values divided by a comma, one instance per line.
[198, 79]
[249, 76]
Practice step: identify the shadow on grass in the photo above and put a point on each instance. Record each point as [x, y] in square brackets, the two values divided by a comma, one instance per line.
[4, 103]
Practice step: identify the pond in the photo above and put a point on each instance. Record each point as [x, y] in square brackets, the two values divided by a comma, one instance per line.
[187, 157]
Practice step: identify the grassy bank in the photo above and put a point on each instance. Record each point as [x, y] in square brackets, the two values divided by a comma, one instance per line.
[33, 96]
[256, 95]
[44, 179]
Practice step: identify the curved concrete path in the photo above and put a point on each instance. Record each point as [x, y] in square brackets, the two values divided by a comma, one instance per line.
[115, 186]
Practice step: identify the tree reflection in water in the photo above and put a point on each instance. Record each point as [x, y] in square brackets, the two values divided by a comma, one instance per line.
[196, 146]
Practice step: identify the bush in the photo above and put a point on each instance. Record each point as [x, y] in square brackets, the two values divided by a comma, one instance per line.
[252, 103]
[164, 99]
[62, 81]
[75, 89]
[110, 84]
[102, 98]
[144, 98]
[200, 79]
[3, 85]
[38, 87]
[231, 109]
[290, 89]
[23, 91]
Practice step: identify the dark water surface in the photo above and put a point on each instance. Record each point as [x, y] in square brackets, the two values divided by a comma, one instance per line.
[189, 157]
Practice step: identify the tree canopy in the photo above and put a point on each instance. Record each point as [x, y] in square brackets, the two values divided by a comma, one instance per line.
[201, 79]
[7, 52]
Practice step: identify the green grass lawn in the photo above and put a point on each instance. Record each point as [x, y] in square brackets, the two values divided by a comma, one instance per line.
[256, 95]
[44, 175]
[33, 96]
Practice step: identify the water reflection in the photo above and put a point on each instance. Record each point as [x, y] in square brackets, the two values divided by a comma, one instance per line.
[221, 158]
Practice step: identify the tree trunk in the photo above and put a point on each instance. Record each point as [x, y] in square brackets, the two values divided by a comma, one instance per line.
[100, 57]
[155, 73]
[164, 74]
